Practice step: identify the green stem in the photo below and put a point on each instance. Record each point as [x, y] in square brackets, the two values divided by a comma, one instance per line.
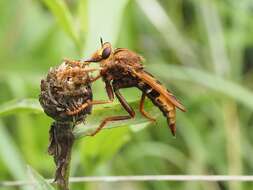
[232, 131]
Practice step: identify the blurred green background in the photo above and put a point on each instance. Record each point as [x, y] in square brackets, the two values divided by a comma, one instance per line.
[201, 50]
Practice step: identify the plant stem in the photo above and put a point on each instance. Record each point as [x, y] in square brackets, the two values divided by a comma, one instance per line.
[61, 143]
[232, 131]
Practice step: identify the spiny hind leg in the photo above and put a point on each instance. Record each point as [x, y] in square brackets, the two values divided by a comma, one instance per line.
[141, 108]
[125, 105]
[108, 120]
[171, 119]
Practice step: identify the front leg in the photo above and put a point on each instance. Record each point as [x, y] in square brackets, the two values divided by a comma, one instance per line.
[124, 103]
[95, 78]
[109, 90]
[110, 94]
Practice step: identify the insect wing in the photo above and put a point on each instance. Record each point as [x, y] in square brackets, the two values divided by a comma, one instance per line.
[151, 81]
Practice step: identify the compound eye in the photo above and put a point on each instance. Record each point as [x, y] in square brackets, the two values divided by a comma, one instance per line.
[106, 53]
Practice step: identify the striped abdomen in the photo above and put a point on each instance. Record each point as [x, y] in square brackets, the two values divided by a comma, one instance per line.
[160, 97]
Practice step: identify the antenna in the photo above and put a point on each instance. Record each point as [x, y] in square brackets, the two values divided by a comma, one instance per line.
[101, 41]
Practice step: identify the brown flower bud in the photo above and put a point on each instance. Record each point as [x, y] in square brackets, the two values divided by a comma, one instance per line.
[65, 89]
[64, 92]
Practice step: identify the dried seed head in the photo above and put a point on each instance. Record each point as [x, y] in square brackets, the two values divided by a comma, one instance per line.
[65, 89]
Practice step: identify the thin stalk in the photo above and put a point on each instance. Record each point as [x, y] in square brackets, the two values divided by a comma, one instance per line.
[232, 131]
[61, 143]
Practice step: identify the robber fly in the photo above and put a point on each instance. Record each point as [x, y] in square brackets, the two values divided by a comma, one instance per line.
[122, 68]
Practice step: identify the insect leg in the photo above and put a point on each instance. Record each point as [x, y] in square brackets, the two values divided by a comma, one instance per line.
[141, 108]
[110, 94]
[85, 105]
[95, 102]
[110, 119]
[126, 106]
[79, 109]
[109, 90]
[124, 103]
[95, 78]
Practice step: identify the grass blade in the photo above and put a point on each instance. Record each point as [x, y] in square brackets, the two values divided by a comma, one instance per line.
[40, 182]
[61, 12]
[103, 23]
[93, 120]
[15, 106]
[215, 34]
[164, 24]
[212, 82]
[11, 156]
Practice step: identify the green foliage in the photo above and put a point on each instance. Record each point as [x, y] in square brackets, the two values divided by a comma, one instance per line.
[23, 105]
[201, 50]
[63, 16]
[11, 156]
[208, 80]
[103, 22]
[92, 122]
[40, 182]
